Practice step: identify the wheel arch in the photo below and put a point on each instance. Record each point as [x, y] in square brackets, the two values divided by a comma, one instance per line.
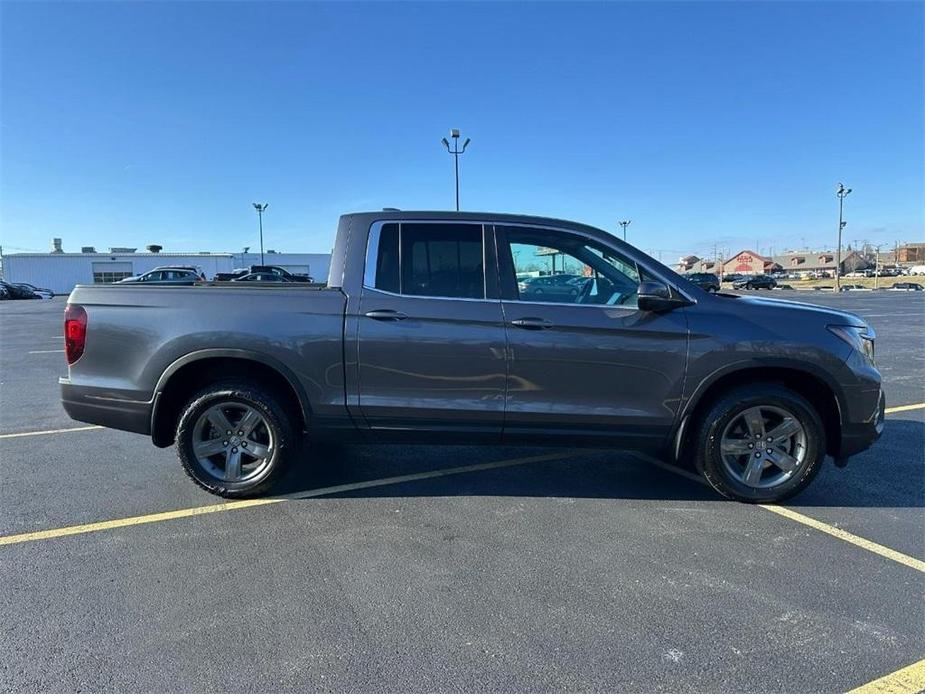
[823, 394]
[197, 369]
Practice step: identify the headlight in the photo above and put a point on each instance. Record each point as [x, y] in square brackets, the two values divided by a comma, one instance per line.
[861, 337]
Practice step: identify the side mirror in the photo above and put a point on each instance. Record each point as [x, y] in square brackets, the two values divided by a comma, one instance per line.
[657, 296]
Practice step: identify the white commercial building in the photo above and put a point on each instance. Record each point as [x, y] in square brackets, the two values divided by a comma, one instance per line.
[59, 272]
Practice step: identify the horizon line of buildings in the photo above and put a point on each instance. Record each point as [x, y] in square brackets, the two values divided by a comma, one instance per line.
[749, 262]
[60, 271]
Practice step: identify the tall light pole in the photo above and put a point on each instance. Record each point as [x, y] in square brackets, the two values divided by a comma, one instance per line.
[456, 151]
[625, 223]
[841, 192]
[260, 210]
[877, 267]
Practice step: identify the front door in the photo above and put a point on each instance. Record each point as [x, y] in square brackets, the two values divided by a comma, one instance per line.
[430, 337]
[585, 362]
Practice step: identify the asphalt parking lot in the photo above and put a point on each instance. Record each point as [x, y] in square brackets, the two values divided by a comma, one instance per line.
[476, 569]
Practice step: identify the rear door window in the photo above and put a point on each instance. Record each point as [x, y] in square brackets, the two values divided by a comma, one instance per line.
[429, 259]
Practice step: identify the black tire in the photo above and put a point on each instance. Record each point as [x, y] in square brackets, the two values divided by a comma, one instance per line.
[276, 422]
[709, 462]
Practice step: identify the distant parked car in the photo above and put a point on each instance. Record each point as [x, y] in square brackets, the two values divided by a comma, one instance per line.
[42, 293]
[756, 282]
[192, 268]
[262, 277]
[917, 270]
[857, 273]
[705, 280]
[734, 277]
[170, 276]
[906, 287]
[18, 291]
[277, 270]
[854, 288]
[548, 286]
[238, 273]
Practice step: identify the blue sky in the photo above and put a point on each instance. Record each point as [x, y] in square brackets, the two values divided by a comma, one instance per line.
[716, 123]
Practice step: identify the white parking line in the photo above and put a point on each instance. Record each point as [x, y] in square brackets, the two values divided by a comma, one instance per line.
[47, 351]
[47, 431]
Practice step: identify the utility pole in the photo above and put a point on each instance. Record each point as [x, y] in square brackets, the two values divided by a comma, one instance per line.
[625, 223]
[456, 151]
[877, 268]
[260, 210]
[841, 192]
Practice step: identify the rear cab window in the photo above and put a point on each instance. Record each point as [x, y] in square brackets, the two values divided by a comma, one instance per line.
[442, 260]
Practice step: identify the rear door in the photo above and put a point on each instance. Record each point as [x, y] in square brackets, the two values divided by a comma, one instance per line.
[586, 365]
[430, 334]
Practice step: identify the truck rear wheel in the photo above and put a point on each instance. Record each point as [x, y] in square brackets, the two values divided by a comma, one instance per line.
[234, 439]
[760, 443]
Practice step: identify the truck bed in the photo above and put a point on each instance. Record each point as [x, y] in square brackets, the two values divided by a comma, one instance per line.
[137, 336]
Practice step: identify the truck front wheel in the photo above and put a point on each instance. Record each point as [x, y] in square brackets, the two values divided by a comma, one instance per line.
[760, 443]
[234, 439]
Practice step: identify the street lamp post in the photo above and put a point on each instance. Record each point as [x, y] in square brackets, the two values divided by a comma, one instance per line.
[625, 223]
[841, 192]
[260, 210]
[877, 267]
[456, 151]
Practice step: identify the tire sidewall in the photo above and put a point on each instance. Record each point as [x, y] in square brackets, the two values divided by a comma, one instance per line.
[246, 394]
[726, 409]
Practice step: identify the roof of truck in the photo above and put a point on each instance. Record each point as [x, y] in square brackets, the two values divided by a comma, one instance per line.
[391, 213]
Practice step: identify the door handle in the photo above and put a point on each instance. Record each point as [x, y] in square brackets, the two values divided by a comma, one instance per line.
[532, 323]
[385, 314]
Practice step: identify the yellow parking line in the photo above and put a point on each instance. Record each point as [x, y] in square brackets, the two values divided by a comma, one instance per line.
[48, 431]
[905, 559]
[909, 680]
[851, 538]
[250, 503]
[905, 408]
[133, 520]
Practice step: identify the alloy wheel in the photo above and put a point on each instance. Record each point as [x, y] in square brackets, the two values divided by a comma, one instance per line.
[233, 442]
[763, 446]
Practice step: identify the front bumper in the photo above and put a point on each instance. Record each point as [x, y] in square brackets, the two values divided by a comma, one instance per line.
[859, 436]
[98, 406]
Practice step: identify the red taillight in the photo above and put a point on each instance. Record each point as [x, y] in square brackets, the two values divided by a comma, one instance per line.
[75, 332]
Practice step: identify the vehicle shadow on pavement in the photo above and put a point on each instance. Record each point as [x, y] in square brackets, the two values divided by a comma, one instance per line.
[892, 474]
[576, 474]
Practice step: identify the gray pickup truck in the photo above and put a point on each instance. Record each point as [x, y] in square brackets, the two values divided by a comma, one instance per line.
[424, 334]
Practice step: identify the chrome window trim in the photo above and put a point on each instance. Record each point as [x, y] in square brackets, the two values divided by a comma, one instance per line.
[372, 253]
[372, 258]
[557, 303]
[425, 296]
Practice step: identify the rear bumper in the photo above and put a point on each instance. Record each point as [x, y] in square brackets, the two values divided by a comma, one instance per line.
[98, 406]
